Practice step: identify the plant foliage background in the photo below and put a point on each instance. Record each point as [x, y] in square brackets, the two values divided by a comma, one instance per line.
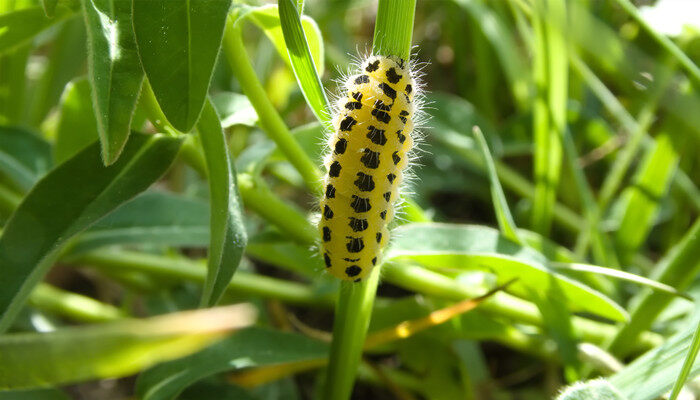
[159, 158]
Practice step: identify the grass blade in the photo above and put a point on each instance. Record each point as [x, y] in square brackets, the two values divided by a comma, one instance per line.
[503, 215]
[228, 236]
[678, 268]
[687, 364]
[302, 62]
[641, 200]
[622, 275]
[549, 121]
[668, 45]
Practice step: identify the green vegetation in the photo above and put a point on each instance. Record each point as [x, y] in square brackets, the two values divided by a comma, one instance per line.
[160, 161]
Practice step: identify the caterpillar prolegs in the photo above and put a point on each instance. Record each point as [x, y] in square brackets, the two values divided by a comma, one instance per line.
[368, 152]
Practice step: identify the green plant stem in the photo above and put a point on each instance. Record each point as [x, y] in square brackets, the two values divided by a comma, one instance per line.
[243, 284]
[677, 269]
[393, 30]
[410, 277]
[269, 119]
[74, 306]
[351, 320]
[260, 199]
[426, 282]
[663, 41]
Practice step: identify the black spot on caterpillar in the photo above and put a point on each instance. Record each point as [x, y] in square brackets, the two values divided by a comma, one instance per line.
[358, 225]
[340, 146]
[376, 135]
[364, 182]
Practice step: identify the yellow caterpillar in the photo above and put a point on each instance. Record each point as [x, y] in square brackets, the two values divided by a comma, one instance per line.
[368, 152]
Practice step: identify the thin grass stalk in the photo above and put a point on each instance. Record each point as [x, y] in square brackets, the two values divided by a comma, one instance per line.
[550, 74]
[663, 40]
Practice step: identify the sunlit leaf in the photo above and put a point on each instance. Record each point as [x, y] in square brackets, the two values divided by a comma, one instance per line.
[111, 350]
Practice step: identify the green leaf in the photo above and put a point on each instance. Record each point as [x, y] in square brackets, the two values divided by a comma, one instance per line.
[482, 248]
[654, 373]
[77, 126]
[112, 349]
[114, 69]
[178, 43]
[616, 273]
[234, 109]
[253, 347]
[301, 60]
[153, 218]
[228, 236]
[598, 389]
[503, 215]
[640, 201]
[49, 7]
[267, 18]
[687, 364]
[66, 201]
[21, 26]
[678, 268]
[24, 156]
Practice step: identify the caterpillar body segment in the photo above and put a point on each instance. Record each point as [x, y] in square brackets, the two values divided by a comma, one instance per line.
[368, 152]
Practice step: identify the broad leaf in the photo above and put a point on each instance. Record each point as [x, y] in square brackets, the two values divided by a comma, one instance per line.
[178, 43]
[49, 7]
[77, 126]
[110, 350]
[21, 26]
[24, 156]
[482, 248]
[66, 201]
[114, 69]
[234, 109]
[228, 235]
[153, 218]
[253, 347]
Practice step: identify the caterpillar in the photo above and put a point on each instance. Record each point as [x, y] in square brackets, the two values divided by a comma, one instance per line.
[368, 151]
